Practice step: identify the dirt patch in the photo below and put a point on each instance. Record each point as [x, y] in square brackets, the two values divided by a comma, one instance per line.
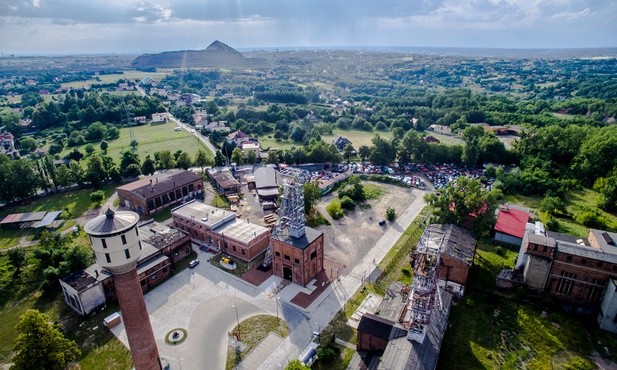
[349, 239]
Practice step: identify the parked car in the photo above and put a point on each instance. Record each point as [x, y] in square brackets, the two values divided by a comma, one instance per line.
[193, 263]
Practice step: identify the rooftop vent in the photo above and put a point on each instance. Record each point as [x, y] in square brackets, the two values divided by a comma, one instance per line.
[608, 239]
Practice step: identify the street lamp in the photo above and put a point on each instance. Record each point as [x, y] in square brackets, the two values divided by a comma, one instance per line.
[237, 318]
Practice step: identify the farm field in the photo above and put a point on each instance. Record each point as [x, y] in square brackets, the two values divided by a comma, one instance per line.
[151, 139]
[357, 137]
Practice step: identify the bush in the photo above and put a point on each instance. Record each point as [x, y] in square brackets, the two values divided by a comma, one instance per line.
[590, 218]
[552, 224]
[500, 251]
[390, 214]
[334, 209]
[347, 203]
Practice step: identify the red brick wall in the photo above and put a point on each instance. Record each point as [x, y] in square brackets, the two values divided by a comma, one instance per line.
[137, 322]
[137, 199]
[304, 269]
[368, 342]
[452, 269]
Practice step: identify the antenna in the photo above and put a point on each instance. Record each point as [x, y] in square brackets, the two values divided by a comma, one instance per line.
[128, 116]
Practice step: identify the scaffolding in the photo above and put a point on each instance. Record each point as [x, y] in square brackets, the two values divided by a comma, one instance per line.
[423, 293]
[292, 219]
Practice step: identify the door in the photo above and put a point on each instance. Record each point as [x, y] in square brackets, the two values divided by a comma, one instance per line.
[287, 275]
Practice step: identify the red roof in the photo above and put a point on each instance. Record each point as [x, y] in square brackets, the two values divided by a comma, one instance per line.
[512, 222]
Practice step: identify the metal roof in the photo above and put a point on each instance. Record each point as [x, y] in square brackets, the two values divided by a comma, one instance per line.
[111, 222]
[161, 183]
[265, 177]
[15, 218]
[48, 219]
[310, 235]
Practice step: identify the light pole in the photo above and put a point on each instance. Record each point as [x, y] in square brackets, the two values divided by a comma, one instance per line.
[277, 308]
[237, 318]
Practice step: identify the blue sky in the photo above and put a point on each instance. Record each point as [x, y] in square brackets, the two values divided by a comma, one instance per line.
[126, 26]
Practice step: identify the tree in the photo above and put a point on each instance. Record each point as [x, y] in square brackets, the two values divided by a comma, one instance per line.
[364, 152]
[89, 149]
[147, 168]
[236, 156]
[219, 159]
[97, 197]
[552, 205]
[183, 161]
[41, 344]
[296, 365]
[165, 159]
[129, 158]
[334, 209]
[412, 148]
[273, 157]
[95, 171]
[251, 157]
[75, 155]
[465, 203]
[28, 144]
[202, 160]
[312, 193]
[17, 259]
[104, 145]
[471, 151]
[390, 214]
[348, 152]
[383, 152]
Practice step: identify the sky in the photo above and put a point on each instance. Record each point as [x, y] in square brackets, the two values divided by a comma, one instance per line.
[54, 27]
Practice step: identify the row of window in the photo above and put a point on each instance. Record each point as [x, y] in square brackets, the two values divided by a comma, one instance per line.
[122, 238]
[296, 261]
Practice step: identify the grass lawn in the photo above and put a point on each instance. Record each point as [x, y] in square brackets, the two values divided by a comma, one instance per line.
[113, 78]
[357, 137]
[77, 202]
[508, 329]
[575, 202]
[372, 190]
[252, 331]
[151, 139]
[446, 139]
[220, 201]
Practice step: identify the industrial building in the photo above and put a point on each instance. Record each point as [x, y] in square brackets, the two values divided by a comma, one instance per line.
[154, 193]
[221, 231]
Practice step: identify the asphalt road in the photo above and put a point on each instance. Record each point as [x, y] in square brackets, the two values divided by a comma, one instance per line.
[209, 325]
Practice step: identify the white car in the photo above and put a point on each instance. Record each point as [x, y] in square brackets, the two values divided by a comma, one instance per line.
[193, 263]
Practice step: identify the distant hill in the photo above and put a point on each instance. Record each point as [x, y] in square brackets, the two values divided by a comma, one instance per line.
[217, 54]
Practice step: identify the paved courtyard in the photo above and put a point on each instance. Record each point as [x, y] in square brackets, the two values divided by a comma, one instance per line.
[203, 301]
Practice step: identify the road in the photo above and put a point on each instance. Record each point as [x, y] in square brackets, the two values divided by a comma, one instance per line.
[198, 135]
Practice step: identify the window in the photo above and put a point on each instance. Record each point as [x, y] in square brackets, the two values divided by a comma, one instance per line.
[296, 261]
[127, 254]
[278, 254]
[566, 283]
[535, 248]
[234, 247]
[568, 258]
[243, 252]
[136, 232]
[595, 290]
[314, 255]
[287, 257]
[107, 258]
[104, 242]
[123, 237]
[583, 261]
[545, 249]
[600, 264]
[140, 245]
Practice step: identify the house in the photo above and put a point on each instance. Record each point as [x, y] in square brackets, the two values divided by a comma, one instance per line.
[217, 126]
[219, 230]
[7, 145]
[341, 142]
[441, 129]
[576, 271]
[266, 184]
[251, 146]
[87, 290]
[154, 193]
[312, 117]
[160, 117]
[238, 137]
[431, 139]
[200, 118]
[224, 181]
[139, 119]
[510, 225]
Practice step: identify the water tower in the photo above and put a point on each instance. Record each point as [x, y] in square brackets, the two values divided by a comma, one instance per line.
[115, 239]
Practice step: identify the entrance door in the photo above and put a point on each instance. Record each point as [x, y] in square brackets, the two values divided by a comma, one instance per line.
[287, 273]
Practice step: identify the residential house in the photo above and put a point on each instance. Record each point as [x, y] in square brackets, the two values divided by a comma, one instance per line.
[224, 181]
[341, 142]
[160, 117]
[238, 137]
[7, 145]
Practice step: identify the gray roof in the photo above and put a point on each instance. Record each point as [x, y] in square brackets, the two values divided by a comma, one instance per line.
[160, 183]
[454, 241]
[159, 235]
[310, 235]
[403, 354]
[606, 239]
[265, 177]
[111, 222]
[48, 219]
[587, 252]
[565, 238]
[80, 280]
[380, 327]
[392, 303]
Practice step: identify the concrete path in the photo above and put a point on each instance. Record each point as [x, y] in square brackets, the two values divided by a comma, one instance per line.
[261, 352]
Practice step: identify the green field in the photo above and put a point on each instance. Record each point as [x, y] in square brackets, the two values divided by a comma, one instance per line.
[151, 139]
[113, 78]
[76, 201]
[357, 138]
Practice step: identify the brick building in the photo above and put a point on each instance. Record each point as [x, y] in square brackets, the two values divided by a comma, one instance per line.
[224, 181]
[457, 247]
[298, 259]
[154, 193]
[574, 270]
[161, 247]
[221, 231]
